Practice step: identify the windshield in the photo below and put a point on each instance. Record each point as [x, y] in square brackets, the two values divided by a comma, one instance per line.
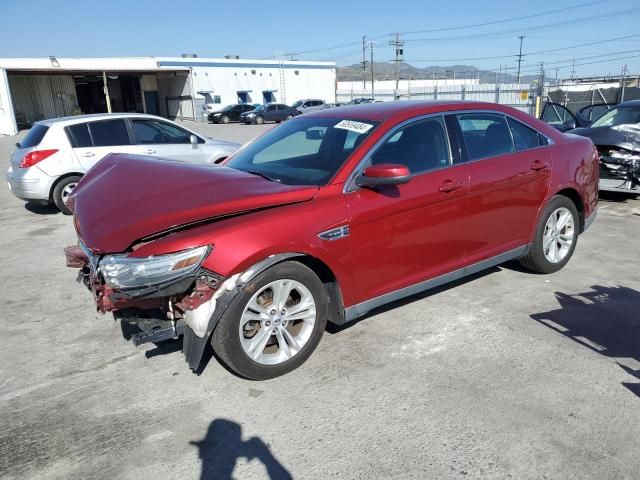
[618, 116]
[297, 104]
[303, 151]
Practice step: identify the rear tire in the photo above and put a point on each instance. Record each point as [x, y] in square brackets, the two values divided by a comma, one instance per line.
[555, 237]
[233, 339]
[62, 191]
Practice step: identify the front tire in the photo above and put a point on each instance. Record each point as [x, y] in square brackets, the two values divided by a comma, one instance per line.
[274, 324]
[259, 120]
[224, 119]
[555, 237]
[62, 191]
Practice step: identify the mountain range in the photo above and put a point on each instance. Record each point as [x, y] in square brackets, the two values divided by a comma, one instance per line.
[387, 71]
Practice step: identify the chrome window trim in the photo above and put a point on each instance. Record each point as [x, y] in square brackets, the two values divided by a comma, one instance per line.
[350, 186]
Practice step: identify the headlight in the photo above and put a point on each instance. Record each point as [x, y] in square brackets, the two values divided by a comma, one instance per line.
[216, 114]
[121, 271]
[251, 114]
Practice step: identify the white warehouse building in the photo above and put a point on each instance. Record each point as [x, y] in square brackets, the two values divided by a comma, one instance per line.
[33, 89]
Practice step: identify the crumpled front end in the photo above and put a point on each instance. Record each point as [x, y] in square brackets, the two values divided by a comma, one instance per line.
[156, 298]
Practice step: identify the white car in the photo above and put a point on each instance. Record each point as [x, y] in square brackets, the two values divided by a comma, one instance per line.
[50, 160]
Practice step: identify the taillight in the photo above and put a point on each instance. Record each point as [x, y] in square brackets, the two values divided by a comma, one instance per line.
[31, 158]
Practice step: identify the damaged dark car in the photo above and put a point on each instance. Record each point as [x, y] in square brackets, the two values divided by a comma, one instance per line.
[616, 135]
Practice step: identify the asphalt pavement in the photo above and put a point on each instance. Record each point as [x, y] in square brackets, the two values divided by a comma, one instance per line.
[503, 375]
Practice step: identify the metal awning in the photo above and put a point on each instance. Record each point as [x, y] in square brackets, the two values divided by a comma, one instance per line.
[269, 91]
[244, 91]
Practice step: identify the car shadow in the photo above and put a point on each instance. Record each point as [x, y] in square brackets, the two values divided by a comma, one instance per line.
[616, 197]
[223, 445]
[333, 329]
[605, 320]
[42, 208]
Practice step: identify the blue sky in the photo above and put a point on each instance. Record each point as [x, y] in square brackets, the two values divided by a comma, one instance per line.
[258, 29]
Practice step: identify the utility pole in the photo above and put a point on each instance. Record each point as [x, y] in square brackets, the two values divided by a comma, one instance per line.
[399, 46]
[622, 80]
[573, 69]
[364, 62]
[521, 37]
[556, 69]
[541, 79]
[371, 44]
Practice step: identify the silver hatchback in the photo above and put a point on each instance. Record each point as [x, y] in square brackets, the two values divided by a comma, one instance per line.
[50, 160]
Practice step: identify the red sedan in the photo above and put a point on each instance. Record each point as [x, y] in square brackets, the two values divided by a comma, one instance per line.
[325, 218]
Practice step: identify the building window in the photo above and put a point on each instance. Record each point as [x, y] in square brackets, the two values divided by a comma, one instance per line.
[253, 72]
[297, 72]
[216, 99]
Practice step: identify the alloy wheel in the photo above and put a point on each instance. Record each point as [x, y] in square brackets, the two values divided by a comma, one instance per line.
[277, 322]
[559, 235]
[67, 191]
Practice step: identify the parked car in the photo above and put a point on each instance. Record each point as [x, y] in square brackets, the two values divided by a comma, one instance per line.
[50, 160]
[309, 105]
[230, 113]
[616, 134]
[561, 118]
[325, 218]
[359, 100]
[273, 112]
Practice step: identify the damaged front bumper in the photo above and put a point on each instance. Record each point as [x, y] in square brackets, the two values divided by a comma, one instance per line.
[189, 306]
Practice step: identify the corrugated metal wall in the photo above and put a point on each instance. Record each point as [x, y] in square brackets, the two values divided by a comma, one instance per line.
[514, 95]
[37, 97]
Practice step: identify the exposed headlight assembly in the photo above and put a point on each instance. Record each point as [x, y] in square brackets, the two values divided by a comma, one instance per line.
[121, 271]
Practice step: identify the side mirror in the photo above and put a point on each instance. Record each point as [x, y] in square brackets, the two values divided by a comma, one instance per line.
[193, 140]
[18, 145]
[569, 124]
[384, 174]
[315, 134]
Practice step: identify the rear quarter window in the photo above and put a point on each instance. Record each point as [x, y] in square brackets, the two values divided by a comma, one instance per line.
[34, 136]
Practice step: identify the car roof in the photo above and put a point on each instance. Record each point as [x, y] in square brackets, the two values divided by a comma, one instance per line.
[385, 110]
[74, 119]
[629, 103]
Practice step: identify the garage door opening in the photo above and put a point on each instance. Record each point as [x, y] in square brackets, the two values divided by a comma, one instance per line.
[124, 93]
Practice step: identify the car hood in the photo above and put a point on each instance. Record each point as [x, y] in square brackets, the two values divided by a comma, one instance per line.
[223, 143]
[125, 198]
[621, 136]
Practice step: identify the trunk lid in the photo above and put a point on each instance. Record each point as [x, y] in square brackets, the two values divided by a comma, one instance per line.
[128, 197]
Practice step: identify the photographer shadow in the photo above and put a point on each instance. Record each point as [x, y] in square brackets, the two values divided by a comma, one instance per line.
[223, 446]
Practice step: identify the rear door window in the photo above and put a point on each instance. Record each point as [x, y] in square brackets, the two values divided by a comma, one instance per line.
[79, 135]
[34, 136]
[485, 135]
[109, 133]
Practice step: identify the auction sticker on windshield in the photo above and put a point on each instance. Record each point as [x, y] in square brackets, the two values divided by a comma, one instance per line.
[358, 127]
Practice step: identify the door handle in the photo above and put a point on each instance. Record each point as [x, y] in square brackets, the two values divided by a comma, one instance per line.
[448, 187]
[88, 154]
[537, 165]
[149, 151]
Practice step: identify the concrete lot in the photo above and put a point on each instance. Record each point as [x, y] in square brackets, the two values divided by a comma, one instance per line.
[505, 375]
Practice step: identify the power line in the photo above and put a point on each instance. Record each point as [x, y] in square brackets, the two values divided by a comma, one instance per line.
[507, 20]
[583, 20]
[539, 52]
[459, 27]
